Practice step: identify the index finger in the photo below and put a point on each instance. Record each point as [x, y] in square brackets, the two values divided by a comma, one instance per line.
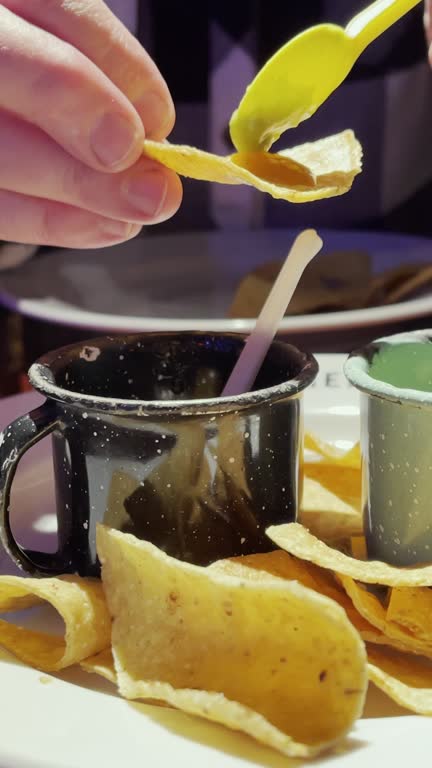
[94, 30]
[52, 85]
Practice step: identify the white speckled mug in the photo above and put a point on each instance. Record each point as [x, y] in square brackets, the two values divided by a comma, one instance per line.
[143, 442]
[394, 375]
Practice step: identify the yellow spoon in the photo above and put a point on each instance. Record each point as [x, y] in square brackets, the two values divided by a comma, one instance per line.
[303, 74]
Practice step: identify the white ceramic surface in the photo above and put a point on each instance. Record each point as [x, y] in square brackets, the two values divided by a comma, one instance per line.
[76, 720]
[187, 281]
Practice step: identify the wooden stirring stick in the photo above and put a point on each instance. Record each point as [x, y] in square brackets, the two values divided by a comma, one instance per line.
[245, 371]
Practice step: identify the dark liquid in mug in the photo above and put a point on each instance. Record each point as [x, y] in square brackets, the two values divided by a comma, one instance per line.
[201, 486]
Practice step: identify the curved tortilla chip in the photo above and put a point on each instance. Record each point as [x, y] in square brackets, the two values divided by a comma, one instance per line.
[357, 547]
[325, 168]
[370, 607]
[283, 566]
[405, 679]
[344, 482]
[332, 455]
[15, 598]
[412, 608]
[236, 651]
[79, 602]
[299, 542]
[326, 514]
[102, 664]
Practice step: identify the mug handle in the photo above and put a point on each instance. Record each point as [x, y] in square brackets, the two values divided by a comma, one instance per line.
[15, 440]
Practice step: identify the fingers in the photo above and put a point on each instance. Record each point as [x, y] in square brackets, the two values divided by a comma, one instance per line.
[52, 85]
[32, 163]
[92, 28]
[76, 91]
[51, 223]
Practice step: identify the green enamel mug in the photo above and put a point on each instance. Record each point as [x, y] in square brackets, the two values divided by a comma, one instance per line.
[394, 376]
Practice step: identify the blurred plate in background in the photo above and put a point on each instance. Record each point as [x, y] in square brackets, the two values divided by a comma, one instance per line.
[187, 281]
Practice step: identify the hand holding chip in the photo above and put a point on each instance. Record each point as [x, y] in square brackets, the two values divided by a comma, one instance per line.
[78, 98]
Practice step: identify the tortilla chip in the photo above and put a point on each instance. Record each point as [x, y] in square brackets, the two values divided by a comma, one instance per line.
[14, 598]
[329, 453]
[315, 291]
[343, 482]
[370, 607]
[79, 602]
[405, 679]
[269, 658]
[101, 664]
[299, 542]
[326, 514]
[363, 609]
[334, 160]
[412, 609]
[339, 473]
[281, 565]
[358, 547]
[325, 168]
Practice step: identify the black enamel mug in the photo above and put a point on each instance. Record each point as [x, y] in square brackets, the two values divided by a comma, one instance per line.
[143, 443]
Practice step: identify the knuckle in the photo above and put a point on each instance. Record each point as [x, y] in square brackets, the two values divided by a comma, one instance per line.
[47, 225]
[62, 76]
[76, 7]
[73, 183]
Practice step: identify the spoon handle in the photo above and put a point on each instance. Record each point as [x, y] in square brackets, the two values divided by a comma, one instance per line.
[375, 19]
[305, 248]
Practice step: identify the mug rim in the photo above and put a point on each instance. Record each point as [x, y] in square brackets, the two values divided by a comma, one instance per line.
[42, 379]
[356, 369]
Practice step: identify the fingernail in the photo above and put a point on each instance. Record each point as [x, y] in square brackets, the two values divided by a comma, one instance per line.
[147, 193]
[120, 230]
[114, 139]
[157, 115]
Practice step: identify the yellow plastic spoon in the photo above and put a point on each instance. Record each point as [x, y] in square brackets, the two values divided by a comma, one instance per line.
[304, 72]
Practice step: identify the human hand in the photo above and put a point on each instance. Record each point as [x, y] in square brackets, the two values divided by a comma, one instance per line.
[78, 94]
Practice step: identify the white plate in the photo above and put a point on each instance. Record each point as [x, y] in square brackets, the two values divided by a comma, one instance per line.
[187, 281]
[76, 721]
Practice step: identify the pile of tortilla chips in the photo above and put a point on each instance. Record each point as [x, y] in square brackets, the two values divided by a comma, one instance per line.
[242, 647]
[279, 646]
[331, 503]
[391, 608]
